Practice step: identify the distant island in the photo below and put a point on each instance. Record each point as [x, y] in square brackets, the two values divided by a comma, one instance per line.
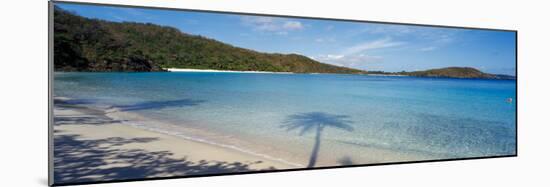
[93, 45]
[448, 72]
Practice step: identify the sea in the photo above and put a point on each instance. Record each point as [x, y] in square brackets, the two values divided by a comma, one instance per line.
[351, 119]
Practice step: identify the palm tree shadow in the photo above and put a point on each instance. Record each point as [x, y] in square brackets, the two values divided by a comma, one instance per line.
[316, 121]
[159, 105]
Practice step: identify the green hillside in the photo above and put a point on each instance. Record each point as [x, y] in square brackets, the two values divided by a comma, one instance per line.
[457, 72]
[84, 44]
[448, 72]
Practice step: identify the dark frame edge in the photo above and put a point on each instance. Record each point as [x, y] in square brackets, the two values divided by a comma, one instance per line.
[517, 88]
[50, 93]
[51, 181]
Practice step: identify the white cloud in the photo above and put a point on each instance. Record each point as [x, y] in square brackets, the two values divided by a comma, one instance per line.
[280, 26]
[358, 56]
[387, 29]
[359, 61]
[431, 36]
[293, 25]
[376, 44]
[260, 23]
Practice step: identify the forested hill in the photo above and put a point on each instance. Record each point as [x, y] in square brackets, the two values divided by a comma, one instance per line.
[84, 44]
[448, 72]
[457, 72]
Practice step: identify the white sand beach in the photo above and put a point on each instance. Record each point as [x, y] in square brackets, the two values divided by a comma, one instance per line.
[96, 143]
[221, 71]
[90, 146]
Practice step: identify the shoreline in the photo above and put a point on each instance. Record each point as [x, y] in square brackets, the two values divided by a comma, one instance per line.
[283, 157]
[84, 122]
[141, 123]
[221, 71]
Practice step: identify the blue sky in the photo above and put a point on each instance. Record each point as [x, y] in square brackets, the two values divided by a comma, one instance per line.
[368, 46]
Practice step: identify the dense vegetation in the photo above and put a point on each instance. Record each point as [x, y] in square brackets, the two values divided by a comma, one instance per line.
[449, 72]
[457, 72]
[84, 44]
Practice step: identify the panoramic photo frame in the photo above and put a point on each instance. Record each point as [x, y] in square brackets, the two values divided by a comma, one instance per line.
[142, 93]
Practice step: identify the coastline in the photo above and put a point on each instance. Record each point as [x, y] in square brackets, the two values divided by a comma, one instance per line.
[187, 145]
[220, 71]
[366, 74]
[265, 72]
[84, 135]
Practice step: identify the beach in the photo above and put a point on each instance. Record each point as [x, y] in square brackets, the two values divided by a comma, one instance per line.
[91, 146]
[220, 71]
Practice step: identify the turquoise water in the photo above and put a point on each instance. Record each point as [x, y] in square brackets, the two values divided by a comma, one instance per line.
[365, 118]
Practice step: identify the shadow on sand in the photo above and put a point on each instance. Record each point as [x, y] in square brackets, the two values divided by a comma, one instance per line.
[316, 121]
[98, 117]
[84, 120]
[58, 101]
[346, 161]
[77, 160]
[89, 116]
[159, 104]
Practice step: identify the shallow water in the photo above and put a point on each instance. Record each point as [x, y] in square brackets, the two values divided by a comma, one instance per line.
[360, 119]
